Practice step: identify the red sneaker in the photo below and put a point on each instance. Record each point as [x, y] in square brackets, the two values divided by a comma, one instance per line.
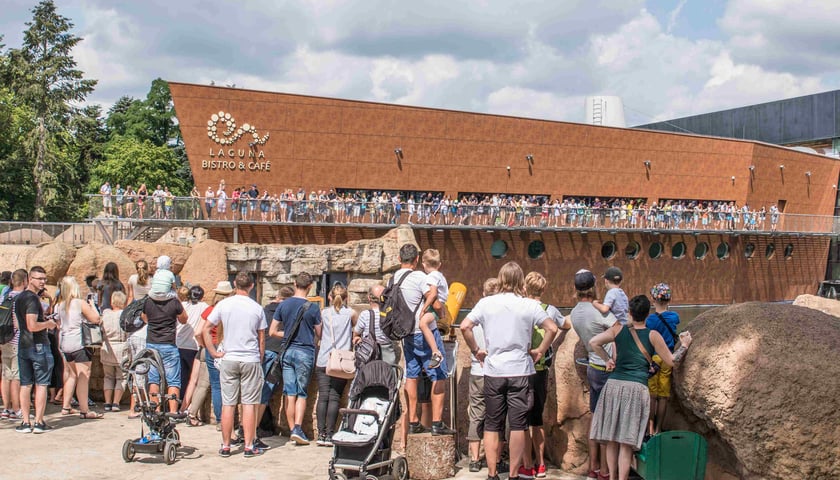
[527, 472]
[540, 471]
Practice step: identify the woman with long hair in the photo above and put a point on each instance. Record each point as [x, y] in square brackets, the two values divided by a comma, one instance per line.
[337, 322]
[142, 194]
[109, 284]
[72, 311]
[139, 285]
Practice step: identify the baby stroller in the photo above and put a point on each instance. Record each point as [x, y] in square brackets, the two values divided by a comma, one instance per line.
[362, 447]
[157, 430]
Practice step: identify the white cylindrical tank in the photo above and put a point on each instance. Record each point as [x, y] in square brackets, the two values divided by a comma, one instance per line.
[605, 110]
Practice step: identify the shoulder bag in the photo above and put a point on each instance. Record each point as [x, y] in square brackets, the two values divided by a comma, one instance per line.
[91, 335]
[368, 349]
[341, 363]
[653, 367]
[274, 375]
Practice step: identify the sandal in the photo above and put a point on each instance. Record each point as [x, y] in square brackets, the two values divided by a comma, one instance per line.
[69, 411]
[193, 421]
[436, 360]
[90, 415]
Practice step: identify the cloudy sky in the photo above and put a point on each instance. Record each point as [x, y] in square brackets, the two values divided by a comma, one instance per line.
[665, 58]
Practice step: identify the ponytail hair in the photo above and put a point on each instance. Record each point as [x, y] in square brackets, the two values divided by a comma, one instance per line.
[339, 296]
[142, 267]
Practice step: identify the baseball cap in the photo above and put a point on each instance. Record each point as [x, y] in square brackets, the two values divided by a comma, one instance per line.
[584, 279]
[613, 274]
[661, 292]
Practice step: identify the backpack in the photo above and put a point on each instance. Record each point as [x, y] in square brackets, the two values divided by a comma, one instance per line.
[7, 320]
[537, 336]
[396, 319]
[131, 317]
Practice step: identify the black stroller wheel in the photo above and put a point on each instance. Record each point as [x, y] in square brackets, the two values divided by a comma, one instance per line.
[399, 469]
[170, 453]
[128, 451]
[338, 476]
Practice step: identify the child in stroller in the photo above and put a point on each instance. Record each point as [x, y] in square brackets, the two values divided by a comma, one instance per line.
[363, 444]
[161, 436]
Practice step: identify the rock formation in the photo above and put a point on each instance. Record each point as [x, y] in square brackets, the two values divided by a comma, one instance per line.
[756, 384]
[24, 236]
[137, 250]
[13, 257]
[55, 257]
[91, 260]
[206, 265]
[825, 305]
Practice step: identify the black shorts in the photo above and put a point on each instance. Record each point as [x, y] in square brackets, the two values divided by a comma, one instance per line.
[79, 356]
[507, 397]
[424, 388]
[539, 385]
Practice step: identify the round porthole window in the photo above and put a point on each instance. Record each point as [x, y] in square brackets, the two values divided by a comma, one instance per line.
[632, 250]
[678, 250]
[536, 249]
[608, 250]
[723, 251]
[749, 250]
[499, 249]
[655, 250]
[788, 250]
[701, 250]
[770, 251]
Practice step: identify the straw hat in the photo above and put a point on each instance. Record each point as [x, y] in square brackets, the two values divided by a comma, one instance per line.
[225, 288]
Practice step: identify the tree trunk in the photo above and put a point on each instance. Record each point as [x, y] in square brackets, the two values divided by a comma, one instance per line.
[40, 161]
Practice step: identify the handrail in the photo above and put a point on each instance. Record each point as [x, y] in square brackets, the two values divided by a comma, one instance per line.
[336, 212]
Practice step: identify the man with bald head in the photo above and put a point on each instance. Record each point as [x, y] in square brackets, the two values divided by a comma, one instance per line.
[390, 350]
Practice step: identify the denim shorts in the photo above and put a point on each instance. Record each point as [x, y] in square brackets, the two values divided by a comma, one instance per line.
[171, 359]
[268, 388]
[297, 371]
[418, 353]
[36, 365]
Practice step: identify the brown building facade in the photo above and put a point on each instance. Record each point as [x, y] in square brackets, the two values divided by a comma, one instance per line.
[280, 141]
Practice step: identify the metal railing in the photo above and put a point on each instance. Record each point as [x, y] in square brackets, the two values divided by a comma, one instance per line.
[387, 213]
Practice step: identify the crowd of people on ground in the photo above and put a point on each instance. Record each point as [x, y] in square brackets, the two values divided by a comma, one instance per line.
[435, 208]
[226, 347]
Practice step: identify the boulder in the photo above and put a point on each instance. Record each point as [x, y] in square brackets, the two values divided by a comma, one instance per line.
[825, 305]
[391, 243]
[13, 257]
[137, 250]
[55, 257]
[184, 235]
[206, 265]
[754, 383]
[25, 236]
[91, 259]
[358, 288]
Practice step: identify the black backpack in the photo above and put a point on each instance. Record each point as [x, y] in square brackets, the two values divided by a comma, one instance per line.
[131, 318]
[396, 319]
[7, 320]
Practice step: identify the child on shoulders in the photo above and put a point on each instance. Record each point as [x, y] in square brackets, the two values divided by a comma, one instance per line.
[615, 300]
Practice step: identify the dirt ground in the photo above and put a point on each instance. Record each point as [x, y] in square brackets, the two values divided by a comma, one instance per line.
[90, 449]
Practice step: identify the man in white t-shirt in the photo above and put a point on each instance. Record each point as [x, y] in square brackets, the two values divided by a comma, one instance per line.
[508, 320]
[240, 368]
[416, 291]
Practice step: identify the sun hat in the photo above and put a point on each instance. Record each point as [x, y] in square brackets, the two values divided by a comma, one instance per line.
[224, 288]
[661, 292]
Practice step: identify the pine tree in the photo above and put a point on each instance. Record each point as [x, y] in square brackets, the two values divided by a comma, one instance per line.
[43, 76]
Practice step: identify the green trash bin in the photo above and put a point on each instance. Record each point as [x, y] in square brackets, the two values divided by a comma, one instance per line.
[675, 455]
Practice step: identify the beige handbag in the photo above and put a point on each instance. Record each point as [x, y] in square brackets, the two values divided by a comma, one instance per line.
[341, 363]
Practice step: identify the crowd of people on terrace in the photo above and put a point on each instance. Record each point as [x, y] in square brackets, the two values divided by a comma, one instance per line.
[435, 208]
[225, 347]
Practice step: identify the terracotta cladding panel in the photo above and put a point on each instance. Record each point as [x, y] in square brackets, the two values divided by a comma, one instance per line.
[415, 123]
[368, 121]
[427, 151]
[320, 146]
[315, 118]
[260, 115]
[371, 148]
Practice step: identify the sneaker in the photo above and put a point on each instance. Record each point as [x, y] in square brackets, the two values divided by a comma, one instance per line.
[5, 414]
[107, 407]
[253, 452]
[494, 477]
[541, 471]
[328, 441]
[13, 416]
[224, 451]
[414, 428]
[115, 407]
[260, 444]
[299, 437]
[475, 466]
[24, 428]
[322, 440]
[502, 466]
[41, 428]
[237, 441]
[527, 472]
[440, 428]
[436, 360]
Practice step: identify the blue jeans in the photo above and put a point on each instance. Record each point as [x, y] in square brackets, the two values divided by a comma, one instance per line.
[297, 371]
[171, 359]
[268, 388]
[215, 386]
[36, 365]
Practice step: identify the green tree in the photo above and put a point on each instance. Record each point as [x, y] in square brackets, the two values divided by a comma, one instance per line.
[130, 161]
[42, 75]
[17, 197]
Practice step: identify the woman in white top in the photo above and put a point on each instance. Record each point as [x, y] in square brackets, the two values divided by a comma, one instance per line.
[337, 323]
[139, 285]
[72, 311]
[188, 342]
